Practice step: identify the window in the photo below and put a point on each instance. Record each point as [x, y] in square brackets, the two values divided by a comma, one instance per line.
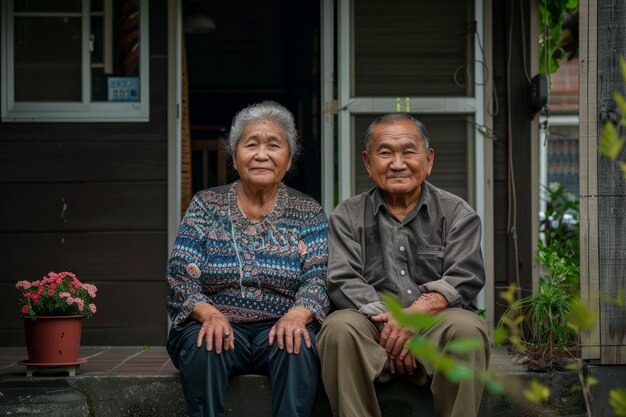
[75, 60]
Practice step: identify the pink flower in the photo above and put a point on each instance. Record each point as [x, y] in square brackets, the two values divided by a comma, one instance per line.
[91, 289]
[23, 284]
[46, 293]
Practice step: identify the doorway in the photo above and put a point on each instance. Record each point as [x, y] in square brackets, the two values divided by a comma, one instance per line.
[250, 51]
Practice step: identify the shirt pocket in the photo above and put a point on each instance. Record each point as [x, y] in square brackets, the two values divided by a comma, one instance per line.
[428, 263]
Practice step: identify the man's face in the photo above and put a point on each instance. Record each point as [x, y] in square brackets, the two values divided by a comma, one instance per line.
[398, 161]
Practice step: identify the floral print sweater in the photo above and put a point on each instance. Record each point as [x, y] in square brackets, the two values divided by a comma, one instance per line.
[250, 271]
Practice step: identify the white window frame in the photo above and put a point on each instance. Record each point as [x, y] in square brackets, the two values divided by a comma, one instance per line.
[84, 110]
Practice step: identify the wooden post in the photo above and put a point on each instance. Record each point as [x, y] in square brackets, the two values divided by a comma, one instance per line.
[611, 45]
[588, 134]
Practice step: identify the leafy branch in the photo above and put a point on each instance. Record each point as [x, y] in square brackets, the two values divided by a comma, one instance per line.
[611, 144]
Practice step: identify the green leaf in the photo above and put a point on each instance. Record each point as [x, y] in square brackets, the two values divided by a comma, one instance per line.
[617, 301]
[581, 317]
[500, 335]
[411, 320]
[492, 386]
[537, 392]
[464, 345]
[610, 143]
[574, 388]
[460, 372]
[572, 4]
[509, 294]
[621, 103]
[617, 400]
[591, 381]
[422, 348]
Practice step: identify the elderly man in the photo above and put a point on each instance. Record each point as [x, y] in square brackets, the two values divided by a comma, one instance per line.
[421, 244]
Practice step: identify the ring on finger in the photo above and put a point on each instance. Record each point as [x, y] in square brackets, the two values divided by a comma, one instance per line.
[298, 330]
[226, 335]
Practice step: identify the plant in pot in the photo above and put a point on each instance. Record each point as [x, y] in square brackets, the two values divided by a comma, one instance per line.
[53, 309]
[547, 341]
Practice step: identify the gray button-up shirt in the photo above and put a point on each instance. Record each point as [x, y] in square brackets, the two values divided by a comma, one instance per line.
[436, 247]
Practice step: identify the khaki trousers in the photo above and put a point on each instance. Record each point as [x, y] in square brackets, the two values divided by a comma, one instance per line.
[352, 361]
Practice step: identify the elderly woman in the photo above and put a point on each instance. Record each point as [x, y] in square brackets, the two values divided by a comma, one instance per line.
[247, 275]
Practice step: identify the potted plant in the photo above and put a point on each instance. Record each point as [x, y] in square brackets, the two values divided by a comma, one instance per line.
[546, 340]
[53, 309]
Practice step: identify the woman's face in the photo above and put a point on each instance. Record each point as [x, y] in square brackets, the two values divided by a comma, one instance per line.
[262, 154]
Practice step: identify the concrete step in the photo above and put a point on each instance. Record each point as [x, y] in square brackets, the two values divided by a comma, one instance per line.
[248, 396]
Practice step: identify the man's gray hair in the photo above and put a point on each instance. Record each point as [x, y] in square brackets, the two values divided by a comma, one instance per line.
[393, 117]
[266, 110]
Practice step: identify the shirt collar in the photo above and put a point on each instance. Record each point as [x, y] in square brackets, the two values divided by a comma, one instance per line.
[423, 204]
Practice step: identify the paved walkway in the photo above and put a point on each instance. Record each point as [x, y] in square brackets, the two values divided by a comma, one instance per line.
[131, 360]
[137, 381]
[136, 360]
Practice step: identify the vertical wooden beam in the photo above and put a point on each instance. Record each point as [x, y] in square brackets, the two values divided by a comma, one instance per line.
[611, 44]
[588, 134]
[522, 190]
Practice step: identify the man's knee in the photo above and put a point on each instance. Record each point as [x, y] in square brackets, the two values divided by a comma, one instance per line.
[343, 325]
[462, 324]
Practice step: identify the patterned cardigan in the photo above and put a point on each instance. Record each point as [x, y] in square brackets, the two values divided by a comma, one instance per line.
[250, 271]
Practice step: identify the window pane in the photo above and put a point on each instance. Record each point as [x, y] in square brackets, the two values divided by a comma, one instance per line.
[563, 157]
[48, 58]
[115, 48]
[412, 48]
[448, 137]
[47, 5]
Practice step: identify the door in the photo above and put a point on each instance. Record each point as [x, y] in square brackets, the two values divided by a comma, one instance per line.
[419, 57]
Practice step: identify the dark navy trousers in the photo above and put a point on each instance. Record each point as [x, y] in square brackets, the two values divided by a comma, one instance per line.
[204, 375]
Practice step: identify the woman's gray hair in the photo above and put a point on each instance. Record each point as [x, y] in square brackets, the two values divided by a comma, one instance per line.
[264, 111]
[393, 117]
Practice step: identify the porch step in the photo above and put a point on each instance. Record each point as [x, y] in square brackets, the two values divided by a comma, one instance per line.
[248, 396]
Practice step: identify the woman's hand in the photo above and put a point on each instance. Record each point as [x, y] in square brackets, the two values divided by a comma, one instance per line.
[291, 328]
[214, 325]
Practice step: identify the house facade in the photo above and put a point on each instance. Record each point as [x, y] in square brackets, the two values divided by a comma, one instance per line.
[97, 104]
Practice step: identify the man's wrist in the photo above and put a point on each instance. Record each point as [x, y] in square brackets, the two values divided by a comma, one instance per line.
[429, 303]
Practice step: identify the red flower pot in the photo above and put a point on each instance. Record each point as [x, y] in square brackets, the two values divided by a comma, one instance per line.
[53, 340]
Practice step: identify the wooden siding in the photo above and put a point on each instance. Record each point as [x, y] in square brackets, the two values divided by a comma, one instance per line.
[92, 198]
[611, 44]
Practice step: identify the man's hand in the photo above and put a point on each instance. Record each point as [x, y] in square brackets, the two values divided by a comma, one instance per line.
[393, 337]
[406, 366]
[290, 329]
